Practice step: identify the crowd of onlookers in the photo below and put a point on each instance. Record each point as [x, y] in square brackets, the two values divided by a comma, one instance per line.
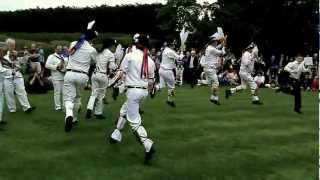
[189, 70]
[266, 74]
[32, 62]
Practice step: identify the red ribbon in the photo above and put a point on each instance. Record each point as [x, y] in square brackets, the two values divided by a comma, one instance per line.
[145, 67]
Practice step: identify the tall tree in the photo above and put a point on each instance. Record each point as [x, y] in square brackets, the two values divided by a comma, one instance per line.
[278, 26]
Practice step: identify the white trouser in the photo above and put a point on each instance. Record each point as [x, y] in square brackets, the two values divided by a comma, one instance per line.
[212, 77]
[73, 84]
[16, 86]
[166, 78]
[99, 84]
[247, 79]
[57, 93]
[131, 109]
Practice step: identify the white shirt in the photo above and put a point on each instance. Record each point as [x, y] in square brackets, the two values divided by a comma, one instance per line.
[52, 63]
[103, 59]
[82, 58]
[212, 56]
[191, 62]
[169, 58]
[131, 66]
[295, 69]
[9, 72]
[247, 63]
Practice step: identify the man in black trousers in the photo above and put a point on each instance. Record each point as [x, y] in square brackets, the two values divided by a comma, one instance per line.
[191, 68]
[291, 75]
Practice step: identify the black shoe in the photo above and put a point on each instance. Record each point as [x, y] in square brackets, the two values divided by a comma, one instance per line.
[171, 104]
[88, 114]
[105, 102]
[228, 93]
[100, 116]
[115, 93]
[68, 124]
[257, 103]
[148, 155]
[74, 123]
[30, 109]
[3, 123]
[298, 111]
[215, 102]
[112, 141]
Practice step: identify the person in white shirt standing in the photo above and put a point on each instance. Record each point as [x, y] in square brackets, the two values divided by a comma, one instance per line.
[99, 80]
[294, 70]
[3, 49]
[57, 64]
[166, 72]
[82, 55]
[138, 69]
[13, 80]
[213, 61]
[248, 59]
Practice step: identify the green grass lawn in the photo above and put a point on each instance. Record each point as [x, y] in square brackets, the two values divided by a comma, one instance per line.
[195, 141]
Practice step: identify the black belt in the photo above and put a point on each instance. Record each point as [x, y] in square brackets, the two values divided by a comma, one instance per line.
[136, 87]
[72, 70]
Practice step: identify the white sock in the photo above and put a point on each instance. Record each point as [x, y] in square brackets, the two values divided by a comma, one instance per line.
[148, 144]
[121, 122]
[116, 135]
[215, 98]
[69, 108]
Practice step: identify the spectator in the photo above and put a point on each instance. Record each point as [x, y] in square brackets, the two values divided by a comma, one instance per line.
[315, 84]
[41, 55]
[34, 61]
[191, 67]
[273, 73]
[260, 79]
[232, 77]
[185, 62]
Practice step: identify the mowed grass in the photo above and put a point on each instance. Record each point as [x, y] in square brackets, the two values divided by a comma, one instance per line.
[195, 141]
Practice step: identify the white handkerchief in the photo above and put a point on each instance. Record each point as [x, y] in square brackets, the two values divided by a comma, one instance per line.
[90, 24]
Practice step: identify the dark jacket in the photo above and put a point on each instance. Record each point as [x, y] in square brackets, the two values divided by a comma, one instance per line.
[195, 62]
